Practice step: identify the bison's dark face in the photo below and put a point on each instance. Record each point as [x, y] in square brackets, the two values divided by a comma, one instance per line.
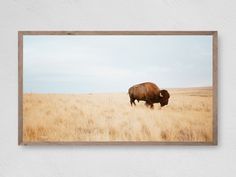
[164, 97]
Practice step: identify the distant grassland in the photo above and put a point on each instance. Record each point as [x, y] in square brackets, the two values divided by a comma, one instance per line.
[109, 117]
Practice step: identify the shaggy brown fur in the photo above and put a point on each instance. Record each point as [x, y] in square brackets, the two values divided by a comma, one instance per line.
[148, 92]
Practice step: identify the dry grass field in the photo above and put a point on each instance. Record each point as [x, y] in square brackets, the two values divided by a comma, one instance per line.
[109, 117]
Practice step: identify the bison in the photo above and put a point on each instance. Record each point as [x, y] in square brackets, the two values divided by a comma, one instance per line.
[148, 92]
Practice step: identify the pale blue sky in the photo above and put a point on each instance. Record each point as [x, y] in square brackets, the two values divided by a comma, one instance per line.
[88, 63]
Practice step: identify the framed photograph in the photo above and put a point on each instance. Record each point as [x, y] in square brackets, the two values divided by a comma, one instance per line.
[117, 87]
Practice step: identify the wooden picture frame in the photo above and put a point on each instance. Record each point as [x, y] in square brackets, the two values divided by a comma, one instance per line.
[22, 34]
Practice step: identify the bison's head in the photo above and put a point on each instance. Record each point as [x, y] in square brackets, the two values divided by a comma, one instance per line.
[164, 97]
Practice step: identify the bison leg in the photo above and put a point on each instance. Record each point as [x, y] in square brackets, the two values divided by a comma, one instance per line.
[132, 101]
[148, 103]
[151, 106]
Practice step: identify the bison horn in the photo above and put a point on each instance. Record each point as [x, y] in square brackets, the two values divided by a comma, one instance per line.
[161, 95]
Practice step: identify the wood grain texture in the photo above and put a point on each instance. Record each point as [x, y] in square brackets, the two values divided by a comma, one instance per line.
[215, 87]
[20, 88]
[20, 82]
[117, 32]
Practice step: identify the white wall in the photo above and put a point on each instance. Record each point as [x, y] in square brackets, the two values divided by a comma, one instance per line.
[122, 161]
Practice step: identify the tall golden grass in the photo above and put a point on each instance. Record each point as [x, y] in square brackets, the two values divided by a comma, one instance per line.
[109, 117]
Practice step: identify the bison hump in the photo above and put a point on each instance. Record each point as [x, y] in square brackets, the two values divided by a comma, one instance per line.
[146, 90]
[151, 87]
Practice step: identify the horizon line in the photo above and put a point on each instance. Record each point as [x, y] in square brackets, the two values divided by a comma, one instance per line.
[171, 88]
